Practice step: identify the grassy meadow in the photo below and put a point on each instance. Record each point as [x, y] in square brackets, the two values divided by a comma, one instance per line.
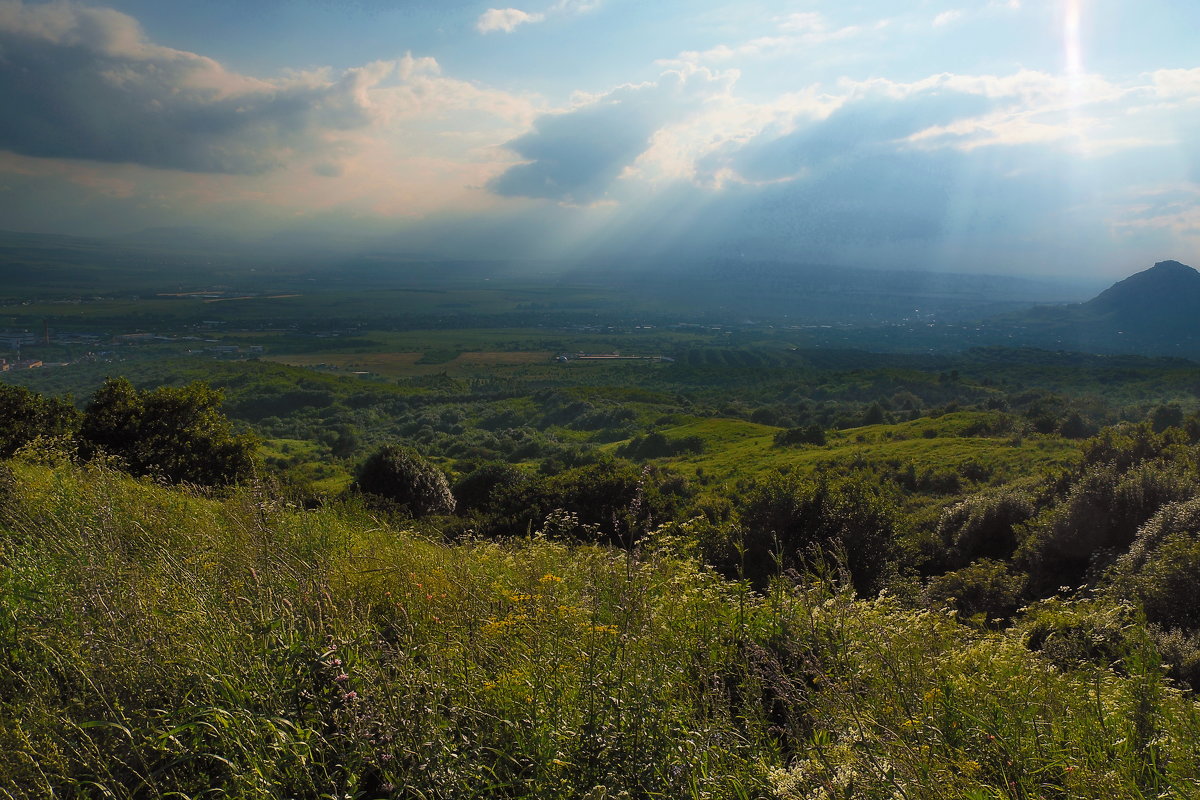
[160, 642]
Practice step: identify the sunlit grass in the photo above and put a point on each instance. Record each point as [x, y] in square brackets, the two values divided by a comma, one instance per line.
[156, 643]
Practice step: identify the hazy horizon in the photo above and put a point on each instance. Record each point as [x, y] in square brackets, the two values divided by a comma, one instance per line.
[996, 136]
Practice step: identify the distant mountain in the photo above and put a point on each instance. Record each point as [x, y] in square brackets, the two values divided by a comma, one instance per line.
[1153, 312]
[1165, 296]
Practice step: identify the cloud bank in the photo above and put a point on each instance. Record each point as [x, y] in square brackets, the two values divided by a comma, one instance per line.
[575, 156]
[84, 83]
[802, 147]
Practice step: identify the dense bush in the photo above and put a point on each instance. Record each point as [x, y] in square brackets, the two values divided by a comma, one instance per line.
[982, 526]
[985, 588]
[479, 489]
[178, 434]
[657, 445]
[785, 518]
[810, 434]
[1097, 521]
[401, 476]
[1161, 569]
[26, 415]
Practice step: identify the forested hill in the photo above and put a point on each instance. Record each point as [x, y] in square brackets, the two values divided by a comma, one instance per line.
[1165, 297]
[1156, 311]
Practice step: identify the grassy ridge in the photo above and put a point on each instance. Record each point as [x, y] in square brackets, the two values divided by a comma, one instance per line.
[157, 643]
[737, 448]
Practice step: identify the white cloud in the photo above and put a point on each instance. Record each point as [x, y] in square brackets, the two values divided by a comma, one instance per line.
[797, 31]
[576, 6]
[575, 156]
[1177, 83]
[505, 19]
[947, 17]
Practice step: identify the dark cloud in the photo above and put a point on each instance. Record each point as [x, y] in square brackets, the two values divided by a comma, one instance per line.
[575, 156]
[78, 82]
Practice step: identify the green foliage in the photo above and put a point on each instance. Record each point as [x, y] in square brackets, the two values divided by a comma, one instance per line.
[982, 526]
[1075, 427]
[875, 415]
[178, 434]
[1124, 446]
[1072, 633]
[810, 434]
[1097, 520]
[1166, 416]
[8, 492]
[401, 476]
[26, 415]
[479, 489]
[657, 445]
[986, 589]
[1160, 569]
[785, 518]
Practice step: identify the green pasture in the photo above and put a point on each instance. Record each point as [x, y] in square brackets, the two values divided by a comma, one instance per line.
[737, 448]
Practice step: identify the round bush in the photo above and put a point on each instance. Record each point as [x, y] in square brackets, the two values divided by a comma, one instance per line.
[402, 476]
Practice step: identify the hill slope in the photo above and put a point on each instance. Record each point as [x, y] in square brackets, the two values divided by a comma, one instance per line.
[1153, 312]
[158, 643]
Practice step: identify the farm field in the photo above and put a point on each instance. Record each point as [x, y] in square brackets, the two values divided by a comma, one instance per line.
[402, 365]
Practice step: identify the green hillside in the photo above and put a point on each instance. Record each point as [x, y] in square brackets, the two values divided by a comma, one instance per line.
[159, 643]
[735, 448]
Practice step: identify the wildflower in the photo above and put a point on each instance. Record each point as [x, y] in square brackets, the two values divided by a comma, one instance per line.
[342, 678]
[349, 696]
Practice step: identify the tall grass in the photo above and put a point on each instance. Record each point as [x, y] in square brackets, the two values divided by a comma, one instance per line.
[156, 643]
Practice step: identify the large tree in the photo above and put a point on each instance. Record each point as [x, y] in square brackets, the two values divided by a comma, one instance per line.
[178, 434]
[25, 415]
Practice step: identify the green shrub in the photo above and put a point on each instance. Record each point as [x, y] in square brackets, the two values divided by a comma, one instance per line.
[401, 476]
[784, 518]
[985, 588]
[26, 415]
[1075, 633]
[657, 445]
[1161, 568]
[178, 434]
[1097, 521]
[480, 489]
[982, 526]
[810, 434]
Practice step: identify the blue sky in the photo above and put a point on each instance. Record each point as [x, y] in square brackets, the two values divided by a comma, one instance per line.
[1047, 137]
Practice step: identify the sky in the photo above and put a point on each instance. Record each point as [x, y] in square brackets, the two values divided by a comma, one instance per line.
[1033, 137]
